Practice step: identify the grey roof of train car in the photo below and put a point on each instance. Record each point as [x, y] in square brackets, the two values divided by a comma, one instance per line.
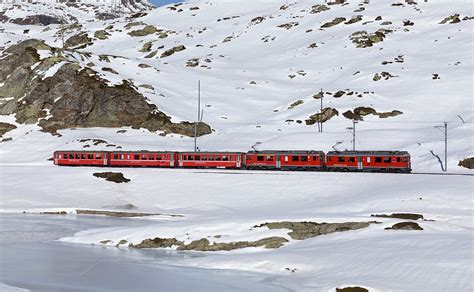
[263, 152]
[376, 153]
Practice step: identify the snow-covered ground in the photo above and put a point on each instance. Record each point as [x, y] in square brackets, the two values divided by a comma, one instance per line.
[230, 203]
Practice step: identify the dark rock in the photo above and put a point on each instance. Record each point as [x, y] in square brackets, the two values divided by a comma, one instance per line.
[322, 117]
[86, 100]
[304, 230]
[38, 20]
[360, 112]
[333, 22]
[204, 244]
[257, 20]
[171, 51]
[149, 29]
[405, 226]
[80, 39]
[467, 163]
[288, 25]
[409, 216]
[319, 8]
[5, 127]
[352, 289]
[116, 177]
[451, 19]
[158, 242]
[354, 19]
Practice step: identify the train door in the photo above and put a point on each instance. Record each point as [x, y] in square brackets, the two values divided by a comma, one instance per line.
[105, 157]
[171, 159]
[278, 161]
[359, 163]
[180, 160]
[239, 161]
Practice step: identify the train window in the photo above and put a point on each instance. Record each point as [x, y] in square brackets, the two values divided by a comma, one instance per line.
[315, 158]
[83, 156]
[387, 159]
[378, 159]
[225, 158]
[64, 155]
[341, 159]
[98, 156]
[270, 158]
[352, 159]
[78, 156]
[210, 158]
[144, 157]
[295, 158]
[204, 158]
[368, 159]
[398, 159]
[136, 157]
[197, 157]
[404, 159]
[90, 156]
[260, 158]
[151, 157]
[158, 157]
[190, 157]
[122, 157]
[304, 158]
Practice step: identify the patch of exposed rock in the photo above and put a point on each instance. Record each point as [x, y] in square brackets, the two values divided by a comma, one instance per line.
[360, 112]
[304, 230]
[451, 19]
[354, 19]
[318, 8]
[408, 216]
[173, 50]
[116, 177]
[363, 39]
[333, 22]
[6, 127]
[405, 226]
[288, 25]
[78, 41]
[120, 214]
[352, 289]
[204, 244]
[296, 103]
[467, 163]
[324, 116]
[38, 20]
[147, 30]
[101, 34]
[74, 96]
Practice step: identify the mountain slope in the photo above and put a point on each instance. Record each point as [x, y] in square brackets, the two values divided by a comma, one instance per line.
[262, 64]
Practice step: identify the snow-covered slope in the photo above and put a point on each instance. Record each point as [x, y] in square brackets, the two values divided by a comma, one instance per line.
[256, 59]
[261, 65]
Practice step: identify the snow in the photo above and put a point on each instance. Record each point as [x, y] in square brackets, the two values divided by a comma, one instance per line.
[230, 203]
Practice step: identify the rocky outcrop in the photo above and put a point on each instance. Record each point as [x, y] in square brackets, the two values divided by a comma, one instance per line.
[405, 226]
[363, 39]
[6, 127]
[204, 244]
[451, 19]
[406, 216]
[304, 230]
[173, 50]
[322, 117]
[74, 96]
[38, 20]
[333, 22]
[360, 112]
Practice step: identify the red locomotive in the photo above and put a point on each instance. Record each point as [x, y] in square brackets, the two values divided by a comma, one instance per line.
[363, 161]
[371, 161]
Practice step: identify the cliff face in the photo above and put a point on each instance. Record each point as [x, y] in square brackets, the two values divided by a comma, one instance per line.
[64, 95]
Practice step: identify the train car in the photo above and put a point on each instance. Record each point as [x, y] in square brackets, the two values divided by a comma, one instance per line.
[369, 161]
[285, 160]
[142, 159]
[81, 158]
[210, 159]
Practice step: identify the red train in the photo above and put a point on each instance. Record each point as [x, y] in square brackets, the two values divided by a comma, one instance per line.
[362, 161]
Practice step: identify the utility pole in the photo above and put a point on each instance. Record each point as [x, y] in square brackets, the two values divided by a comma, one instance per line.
[445, 132]
[321, 110]
[353, 129]
[198, 115]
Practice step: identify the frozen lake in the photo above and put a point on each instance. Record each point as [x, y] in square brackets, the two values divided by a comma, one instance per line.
[31, 259]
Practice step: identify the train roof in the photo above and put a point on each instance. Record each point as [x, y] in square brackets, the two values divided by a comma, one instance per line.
[210, 152]
[263, 152]
[364, 153]
[82, 151]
